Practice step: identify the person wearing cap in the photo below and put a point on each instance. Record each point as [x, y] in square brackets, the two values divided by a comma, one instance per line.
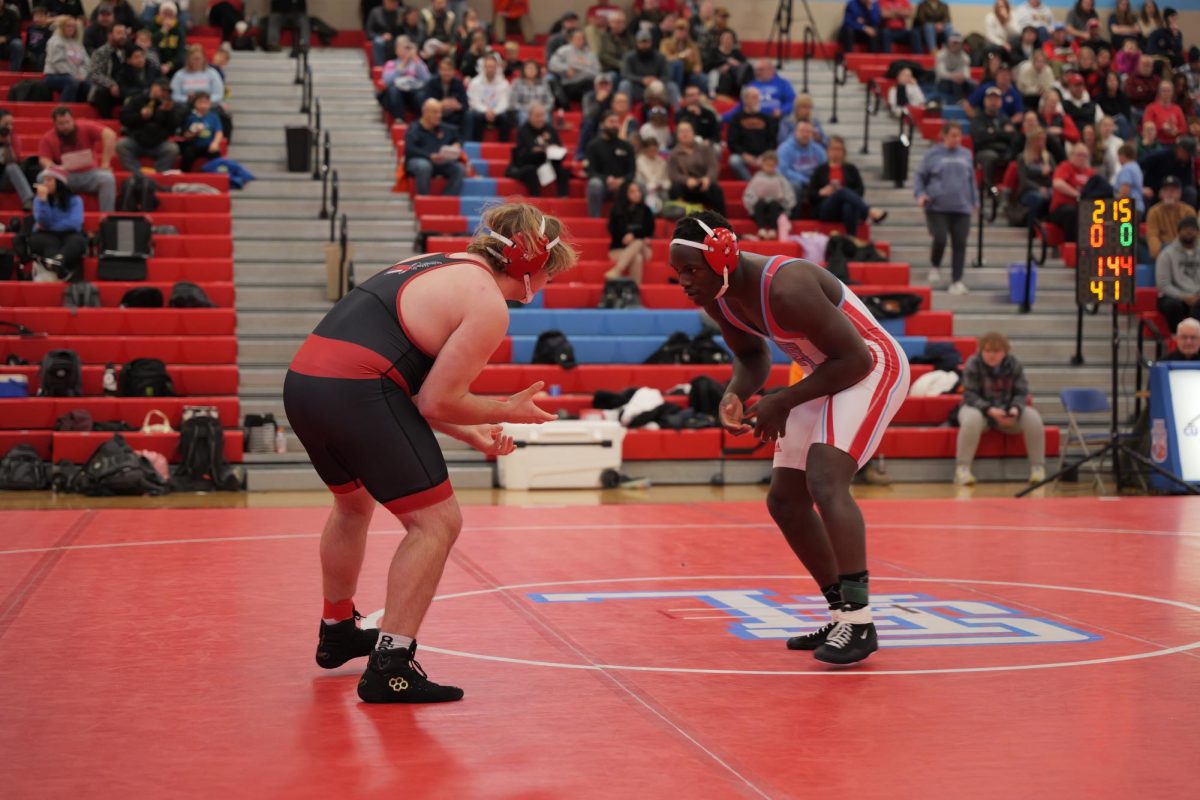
[1187, 341]
[683, 57]
[96, 33]
[1078, 18]
[894, 19]
[657, 128]
[447, 88]
[1061, 50]
[1166, 114]
[643, 66]
[1012, 105]
[860, 25]
[149, 121]
[1167, 41]
[58, 237]
[1177, 275]
[1122, 24]
[991, 135]
[574, 67]
[952, 69]
[1078, 104]
[1162, 221]
[1034, 14]
[1177, 162]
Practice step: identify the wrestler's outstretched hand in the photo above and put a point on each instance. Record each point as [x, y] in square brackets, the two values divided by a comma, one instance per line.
[521, 408]
[488, 439]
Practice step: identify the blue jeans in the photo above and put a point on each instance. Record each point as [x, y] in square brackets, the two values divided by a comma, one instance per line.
[13, 178]
[930, 35]
[398, 102]
[73, 90]
[910, 37]
[422, 170]
[597, 193]
[16, 54]
[381, 50]
[738, 167]
[843, 206]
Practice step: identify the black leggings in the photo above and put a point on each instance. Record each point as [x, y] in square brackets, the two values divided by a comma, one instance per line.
[69, 247]
[711, 198]
[957, 226]
[766, 213]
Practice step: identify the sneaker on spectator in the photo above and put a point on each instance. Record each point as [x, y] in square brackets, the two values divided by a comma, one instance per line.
[958, 288]
[1037, 474]
[935, 276]
[963, 476]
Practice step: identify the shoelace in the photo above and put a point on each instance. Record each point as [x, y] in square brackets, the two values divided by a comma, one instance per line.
[840, 635]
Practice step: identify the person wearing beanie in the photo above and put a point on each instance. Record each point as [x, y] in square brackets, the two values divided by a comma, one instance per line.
[57, 237]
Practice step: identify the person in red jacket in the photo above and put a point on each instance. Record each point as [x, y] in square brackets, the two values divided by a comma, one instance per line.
[1069, 179]
[512, 11]
[1142, 86]
[1166, 114]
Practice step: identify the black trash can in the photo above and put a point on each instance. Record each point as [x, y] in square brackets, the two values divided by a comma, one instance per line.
[895, 160]
[299, 148]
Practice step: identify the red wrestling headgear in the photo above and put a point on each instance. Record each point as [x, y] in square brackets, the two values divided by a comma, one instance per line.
[524, 254]
[721, 251]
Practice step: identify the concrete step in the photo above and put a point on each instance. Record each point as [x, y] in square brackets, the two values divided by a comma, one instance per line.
[332, 105]
[368, 253]
[368, 171]
[318, 230]
[1046, 324]
[273, 135]
[307, 273]
[385, 208]
[261, 351]
[340, 153]
[310, 297]
[290, 186]
[265, 323]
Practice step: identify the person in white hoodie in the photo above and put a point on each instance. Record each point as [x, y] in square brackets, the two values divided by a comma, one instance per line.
[488, 103]
[67, 61]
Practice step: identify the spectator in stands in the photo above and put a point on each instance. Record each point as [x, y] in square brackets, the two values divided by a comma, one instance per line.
[170, 40]
[72, 146]
[448, 89]
[566, 24]
[799, 157]
[1025, 46]
[751, 133]
[1191, 71]
[932, 24]
[905, 94]
[770, 199]
[10, 36]
[410, 26]
[695, 109]
[683, 57]
[595, 104]
[1149, 19]
[1000, 28]
[991, 135]
[630, 123]
[952, 68]
[1086, 67]
[642, 66]
[67, 62]
[860, 25]
[508, 12]
[122, 11]
[1187, 341]
[1147, 140]
[1166, 115]
[488, 104]
[1078, 104]
[630, 228]
[1070, 177]
[290, 14]
[202, 132]
[944, 186]
[1107, 145]
[610, 163]
[136, 74]
[468, 23]
[778, 96]
[403, 79]
[658, 128]
[148, 122]
[995, 396]
[1113, 103]
[58, 238]
[651, 174]
[1012, 106]
[1126, 61]
[1167, 42]
[575, 66]
[1078, 17]
[1034, 15]
[1177, 275]
[1128, 182]
[103, 70]
[693, 168]
[433, 148]
[1177, 162]
[152, 13]
[383, 26]
[531, 87]
[529, 156]
[1162, 221]
[802, 111]
[894, 19]
[615, 42]
[1095, 40]
[37, 37]
[438, 24]
[470, 56]
[144, 38]
[726, 66]
[197, 76]
[64, 8]
[1060, 129]
[1122, 24]
[1035, 168]
[13, 177]
[96, 34]
[1142, 87]
[835, 192]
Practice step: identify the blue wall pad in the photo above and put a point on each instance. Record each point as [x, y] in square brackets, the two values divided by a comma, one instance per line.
[480, 187]
[893, 326]
[473, 206]
[1144, 276]
[603, 322]
[473, 149]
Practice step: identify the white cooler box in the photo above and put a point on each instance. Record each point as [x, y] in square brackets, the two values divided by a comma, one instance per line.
[566, 454]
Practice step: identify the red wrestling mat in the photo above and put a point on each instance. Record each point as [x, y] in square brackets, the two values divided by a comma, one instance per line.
[1030, 648]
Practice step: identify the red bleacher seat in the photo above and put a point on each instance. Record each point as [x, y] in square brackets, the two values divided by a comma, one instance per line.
[49, 295]
[190, 380]
[126, 321]
[41, 412]
[196, 270]
[119, 349]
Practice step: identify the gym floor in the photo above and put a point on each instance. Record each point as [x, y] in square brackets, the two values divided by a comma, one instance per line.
[1030, 648]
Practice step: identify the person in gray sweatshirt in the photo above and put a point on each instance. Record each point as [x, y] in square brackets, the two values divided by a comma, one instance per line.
[945, 187]
[67, 61]
[1177, 275]
[995, 395]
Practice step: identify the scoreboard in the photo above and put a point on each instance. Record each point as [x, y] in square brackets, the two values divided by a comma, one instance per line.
[1107, 251]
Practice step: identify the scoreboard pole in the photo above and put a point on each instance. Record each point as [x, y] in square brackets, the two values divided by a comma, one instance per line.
[1104, 275]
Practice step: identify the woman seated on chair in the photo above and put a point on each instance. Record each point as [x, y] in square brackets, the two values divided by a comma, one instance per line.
[994, 398]
[57, 239]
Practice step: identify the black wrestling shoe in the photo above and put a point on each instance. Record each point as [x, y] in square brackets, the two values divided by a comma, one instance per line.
[813, 640]
[848, 642]
[394, 676]
[342, 641]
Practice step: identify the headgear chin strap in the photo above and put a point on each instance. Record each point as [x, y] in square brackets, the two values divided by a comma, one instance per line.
[720, 248]
[523, 255]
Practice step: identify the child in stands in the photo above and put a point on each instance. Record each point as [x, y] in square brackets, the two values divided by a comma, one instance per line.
[202, 132]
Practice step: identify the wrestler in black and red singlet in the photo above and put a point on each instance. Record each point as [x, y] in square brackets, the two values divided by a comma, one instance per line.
[348, 395]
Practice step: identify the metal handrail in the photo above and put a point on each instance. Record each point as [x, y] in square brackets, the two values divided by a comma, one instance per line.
[873, 94]
[335, 195]
[809, 49]
[840, 75]
[345, 266]
[324, 213]
[306, 90]
[301, 64]
[1145, 326]
[1035, 230]
[322, 155]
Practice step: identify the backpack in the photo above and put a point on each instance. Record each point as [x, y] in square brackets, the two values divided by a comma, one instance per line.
[188, 295]
[9, 269]
[552, 347]
[30, 92]
[61, 374]
[672, 351]
[125, 236]
[114, 468]
[704, 350]
[705, 395]
[620, 293]
[78, 420]
[138, 193]
[145, 377]
[81, 295]
[142, 297]
[942, 355]
[21, 229]
[893, 305]
[202, 457]
[841, 250]
[22, 469]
